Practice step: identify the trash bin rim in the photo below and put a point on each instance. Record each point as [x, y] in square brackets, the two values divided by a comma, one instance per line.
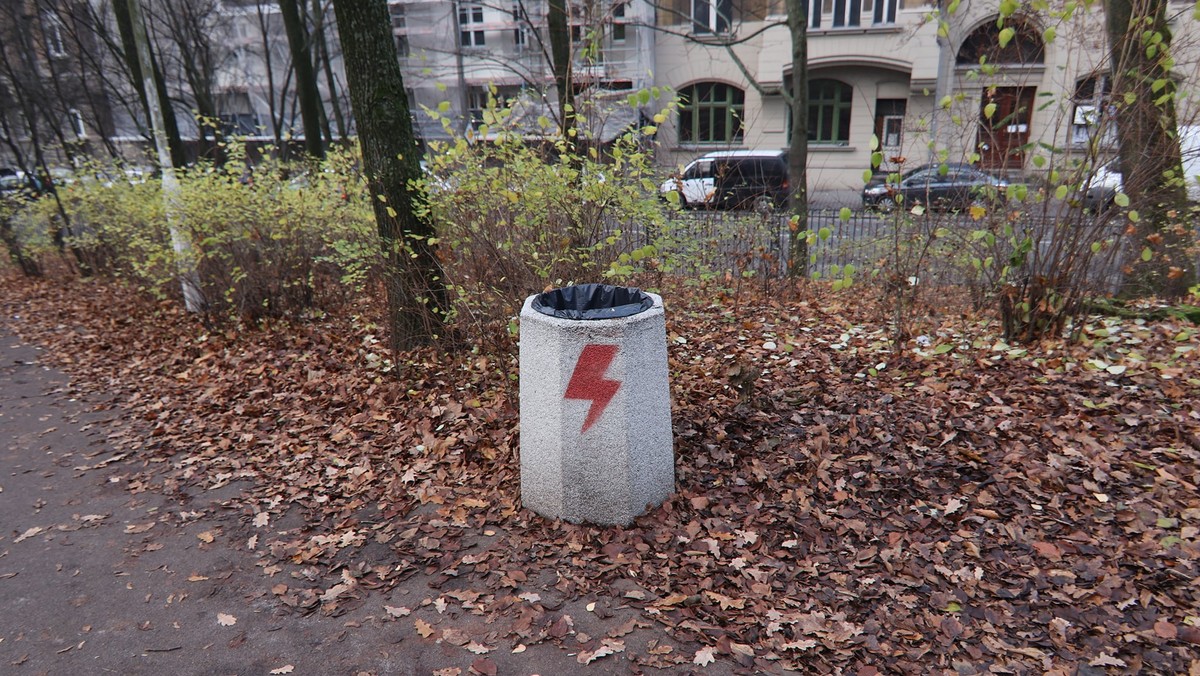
[575, 302]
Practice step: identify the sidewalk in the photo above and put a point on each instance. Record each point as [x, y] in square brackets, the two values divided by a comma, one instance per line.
[98, 575]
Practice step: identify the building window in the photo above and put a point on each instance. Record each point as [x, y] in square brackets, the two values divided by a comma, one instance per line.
[1093, 118]
[829, 112]
[55, 46]
[521, 21]
[470, 21]
[711, 112]
[618, 23]
[1026, 47]
[239, 124]
[77, 125]
[851, 13]
[399, 28]
[477, 102]
[237, 114]
[399, 21]
[712, 16]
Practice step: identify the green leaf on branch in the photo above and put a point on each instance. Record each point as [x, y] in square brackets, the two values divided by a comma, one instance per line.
[1121, 199]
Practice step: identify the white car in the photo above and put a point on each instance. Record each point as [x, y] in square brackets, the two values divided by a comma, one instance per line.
[732, 179]
[1107, 181]
[695, 183]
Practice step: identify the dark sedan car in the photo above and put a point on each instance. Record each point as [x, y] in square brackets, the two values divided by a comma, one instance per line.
[938, 186]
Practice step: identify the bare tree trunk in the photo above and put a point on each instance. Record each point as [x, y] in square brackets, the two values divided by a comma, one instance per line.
[416, 295]
[306, 78]
[322, 46]
[188, 276]
[269, 63]
[1147, 133]
[797, 19]
[560, 56]
[179, 155]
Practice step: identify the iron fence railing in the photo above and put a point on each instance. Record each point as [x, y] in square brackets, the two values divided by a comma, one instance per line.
[941, 247]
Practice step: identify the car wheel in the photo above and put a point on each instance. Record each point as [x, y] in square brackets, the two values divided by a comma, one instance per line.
[762, 205]
[886, 205]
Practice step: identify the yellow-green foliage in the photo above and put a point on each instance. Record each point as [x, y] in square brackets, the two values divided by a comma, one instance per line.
[265, 240]
[116, 224]
[517, 211]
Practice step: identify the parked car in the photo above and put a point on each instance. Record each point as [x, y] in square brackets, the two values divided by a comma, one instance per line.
[18, 185]
[732, 179]
[1107, 181]
[937, 186]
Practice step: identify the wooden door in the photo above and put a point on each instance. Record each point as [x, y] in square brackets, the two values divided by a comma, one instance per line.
[1003, 135]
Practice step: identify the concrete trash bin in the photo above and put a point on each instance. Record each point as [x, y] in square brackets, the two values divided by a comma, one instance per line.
[596, 442]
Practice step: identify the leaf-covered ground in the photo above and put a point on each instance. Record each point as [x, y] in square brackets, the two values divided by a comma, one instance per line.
[961, 506]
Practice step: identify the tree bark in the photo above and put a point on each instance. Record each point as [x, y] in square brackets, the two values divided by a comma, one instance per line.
[179, 155]
[416, 294]
[1152, 174]
[306, 77]
[797, 19]
[198, 34]
[322, 45]
[560, 56]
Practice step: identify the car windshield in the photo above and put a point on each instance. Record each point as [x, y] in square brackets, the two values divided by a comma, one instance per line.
[699, 169]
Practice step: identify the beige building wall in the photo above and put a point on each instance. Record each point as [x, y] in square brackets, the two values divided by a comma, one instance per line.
[906, 61]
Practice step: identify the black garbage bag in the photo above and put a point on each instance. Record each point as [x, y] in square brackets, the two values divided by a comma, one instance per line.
[592, 301]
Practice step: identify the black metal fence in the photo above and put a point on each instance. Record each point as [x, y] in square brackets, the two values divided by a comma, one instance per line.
[938, 247]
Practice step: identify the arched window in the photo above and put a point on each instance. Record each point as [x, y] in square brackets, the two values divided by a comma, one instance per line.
[829, 112]
[711, 112]
[1023, 47]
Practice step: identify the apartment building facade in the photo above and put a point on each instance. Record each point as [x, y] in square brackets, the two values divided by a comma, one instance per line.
[882, 69]
[467, 53]
[877, 69]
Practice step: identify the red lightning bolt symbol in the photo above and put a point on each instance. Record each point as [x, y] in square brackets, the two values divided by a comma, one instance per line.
[588, 381]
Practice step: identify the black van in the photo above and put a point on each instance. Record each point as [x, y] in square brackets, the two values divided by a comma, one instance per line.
[755, 180]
